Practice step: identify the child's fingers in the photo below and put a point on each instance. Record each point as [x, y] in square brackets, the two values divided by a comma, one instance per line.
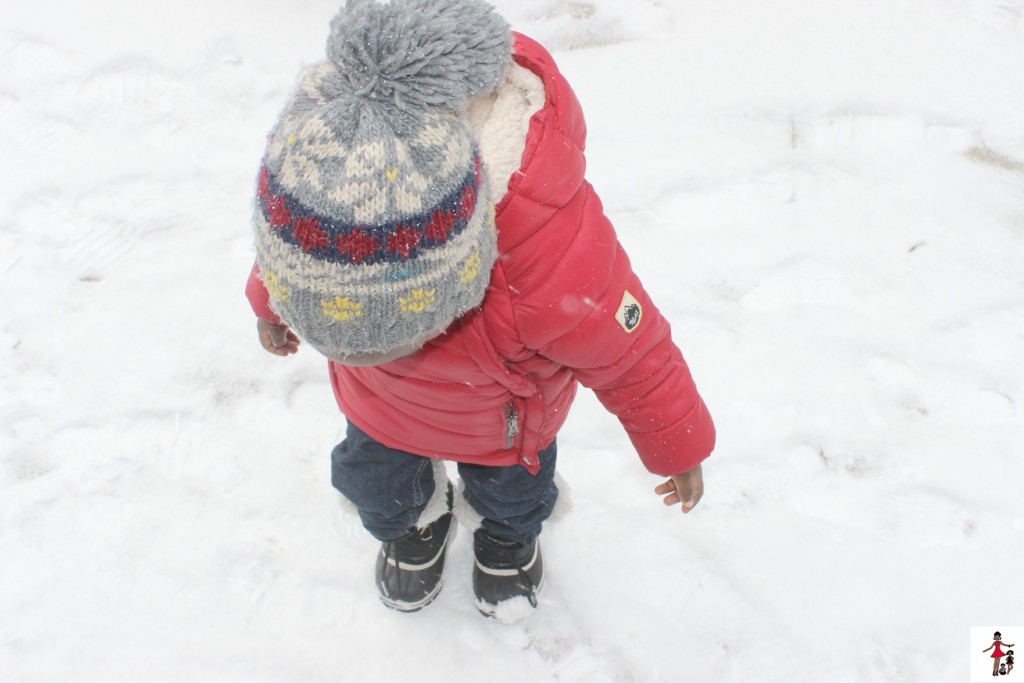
[288, 347]
[691, 493]
[278, 336]
[668, 489]
[266, 342]
[279, 340]
[283, 341]
[276, 350]
[685, 490]
[665, 487]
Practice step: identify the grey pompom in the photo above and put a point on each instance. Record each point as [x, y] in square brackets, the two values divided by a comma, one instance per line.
[417, 53]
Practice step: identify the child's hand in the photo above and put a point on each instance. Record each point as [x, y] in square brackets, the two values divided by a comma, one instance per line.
[686, 488]
[278, 339]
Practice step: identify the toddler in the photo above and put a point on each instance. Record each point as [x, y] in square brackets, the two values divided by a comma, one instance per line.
[423, 221]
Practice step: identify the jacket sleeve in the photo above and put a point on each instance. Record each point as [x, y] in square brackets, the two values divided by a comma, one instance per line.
[259, 298]
[590, 313]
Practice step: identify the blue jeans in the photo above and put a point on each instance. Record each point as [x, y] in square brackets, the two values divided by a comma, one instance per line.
[390, 488]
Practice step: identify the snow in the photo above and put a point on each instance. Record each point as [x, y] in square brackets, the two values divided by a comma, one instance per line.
[509, 611]
[824, 198]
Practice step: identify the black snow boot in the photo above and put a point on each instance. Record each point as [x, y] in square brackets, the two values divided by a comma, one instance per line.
[409, 570]
[507, 578]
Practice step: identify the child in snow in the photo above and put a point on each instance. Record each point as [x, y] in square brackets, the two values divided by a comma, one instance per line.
[423, 221]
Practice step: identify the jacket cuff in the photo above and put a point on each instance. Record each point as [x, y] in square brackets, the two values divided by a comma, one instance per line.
[259, 298]
[679, 447]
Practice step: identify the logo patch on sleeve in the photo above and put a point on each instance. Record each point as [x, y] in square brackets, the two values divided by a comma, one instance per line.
[630, 312]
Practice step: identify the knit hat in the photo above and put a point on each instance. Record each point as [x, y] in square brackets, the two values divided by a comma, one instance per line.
[374, 222]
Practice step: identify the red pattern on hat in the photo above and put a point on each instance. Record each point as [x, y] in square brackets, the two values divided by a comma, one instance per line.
[359, 245]
[308, 233]
[440, 225]
[263, 188]
[278, 214]
[403, 241]
[467, 203]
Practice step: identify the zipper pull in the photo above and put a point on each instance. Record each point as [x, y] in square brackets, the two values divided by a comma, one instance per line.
[511, 423]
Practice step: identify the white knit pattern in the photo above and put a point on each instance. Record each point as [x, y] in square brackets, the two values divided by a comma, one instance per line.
[374, 181]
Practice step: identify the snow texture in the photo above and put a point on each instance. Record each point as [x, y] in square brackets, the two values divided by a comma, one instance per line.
[827, 201]
[508, 611]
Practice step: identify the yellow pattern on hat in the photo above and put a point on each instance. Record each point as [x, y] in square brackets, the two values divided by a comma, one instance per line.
[470, 268]
[418, 301]
[341, 308]
[277, 291]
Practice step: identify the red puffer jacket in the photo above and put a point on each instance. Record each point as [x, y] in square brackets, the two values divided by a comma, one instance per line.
[563, 305]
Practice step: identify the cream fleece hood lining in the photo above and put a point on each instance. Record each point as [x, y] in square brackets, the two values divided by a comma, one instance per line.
[500, 121]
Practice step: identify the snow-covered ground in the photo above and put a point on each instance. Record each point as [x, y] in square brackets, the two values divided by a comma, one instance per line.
[827, 200]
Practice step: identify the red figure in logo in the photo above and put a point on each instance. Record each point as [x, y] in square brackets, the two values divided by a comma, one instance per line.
[998, 654]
